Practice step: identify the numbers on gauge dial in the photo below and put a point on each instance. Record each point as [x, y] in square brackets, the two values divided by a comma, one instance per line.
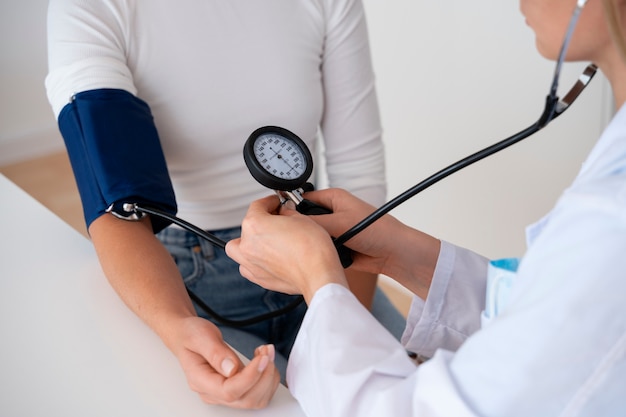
[280, 156]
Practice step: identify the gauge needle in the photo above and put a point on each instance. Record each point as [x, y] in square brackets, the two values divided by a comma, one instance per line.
[280, 156]
[275, 153]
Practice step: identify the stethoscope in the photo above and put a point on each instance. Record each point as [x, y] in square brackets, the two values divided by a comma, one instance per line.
[279, 160]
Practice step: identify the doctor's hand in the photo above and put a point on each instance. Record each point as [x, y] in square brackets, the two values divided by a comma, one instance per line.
[216, 373]
[387, 246]
[289, 253]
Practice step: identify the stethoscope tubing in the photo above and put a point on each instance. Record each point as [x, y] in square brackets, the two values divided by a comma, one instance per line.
[220, 244]
[440, 175]
[553, 108]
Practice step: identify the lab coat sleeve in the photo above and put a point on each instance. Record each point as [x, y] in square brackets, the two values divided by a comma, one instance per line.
[451, 312]
[557, 348]
[354, 367]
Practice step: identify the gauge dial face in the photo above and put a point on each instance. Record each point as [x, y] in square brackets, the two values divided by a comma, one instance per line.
[280, 156]
[277, 158]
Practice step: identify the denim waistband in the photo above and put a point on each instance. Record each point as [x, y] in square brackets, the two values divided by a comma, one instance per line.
[180, 237]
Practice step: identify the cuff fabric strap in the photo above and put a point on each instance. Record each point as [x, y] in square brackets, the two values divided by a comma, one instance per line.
[115, 153]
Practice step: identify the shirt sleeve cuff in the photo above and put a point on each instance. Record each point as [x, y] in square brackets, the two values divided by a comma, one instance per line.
[451, 312]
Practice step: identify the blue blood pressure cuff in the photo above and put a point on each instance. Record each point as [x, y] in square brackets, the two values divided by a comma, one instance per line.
[116, 154]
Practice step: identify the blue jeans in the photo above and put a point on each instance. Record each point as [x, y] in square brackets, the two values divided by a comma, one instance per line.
[211, 275]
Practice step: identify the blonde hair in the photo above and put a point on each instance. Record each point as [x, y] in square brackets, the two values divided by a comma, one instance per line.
[614, 19]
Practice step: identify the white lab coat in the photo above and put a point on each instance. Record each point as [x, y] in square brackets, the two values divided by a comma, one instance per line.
[557, 349]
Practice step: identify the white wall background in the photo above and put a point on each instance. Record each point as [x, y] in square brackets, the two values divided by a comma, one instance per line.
[453, 77]
[27, 125]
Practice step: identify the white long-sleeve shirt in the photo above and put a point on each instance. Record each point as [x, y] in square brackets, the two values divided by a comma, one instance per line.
[213, 71]
[558, 348]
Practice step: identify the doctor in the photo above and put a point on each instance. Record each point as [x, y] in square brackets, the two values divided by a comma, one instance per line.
[557, 348]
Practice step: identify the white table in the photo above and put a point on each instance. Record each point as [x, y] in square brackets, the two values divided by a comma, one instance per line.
[68, 345]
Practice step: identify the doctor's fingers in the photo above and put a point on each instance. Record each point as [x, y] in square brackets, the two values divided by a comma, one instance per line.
[269, 280]
[266, 205]
[339, 200]
[347, 210]
[259, 225]
[270, 240]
